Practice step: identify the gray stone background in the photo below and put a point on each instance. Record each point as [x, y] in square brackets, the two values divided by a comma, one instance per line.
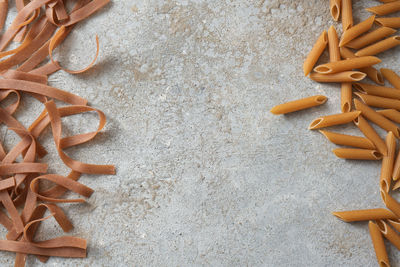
[206, 176]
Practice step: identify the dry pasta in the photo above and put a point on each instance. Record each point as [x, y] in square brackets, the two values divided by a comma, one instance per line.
[396, 168]
[371, 37]
[387, 162]
[346, 93]
[3, 12]
[347, 14]
[376, 90]
[391, 114]
[371, 134]
[385, 8]
[335, 119]
[379, 102]
[379, 245]
[390, 203]
[379, 47]
[334, 6]
[389, 233]
[357, 153]
[356, 30]
[392, 77]
[342, 77]
[333, 45]
[315, 53]
[388, 22]
[347, 64]
[300, 104]
[364, 215]
[348, 140]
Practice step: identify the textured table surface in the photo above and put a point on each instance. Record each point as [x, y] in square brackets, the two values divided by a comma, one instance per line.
[206, 176]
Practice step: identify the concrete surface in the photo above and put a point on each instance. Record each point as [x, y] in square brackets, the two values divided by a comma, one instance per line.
[206, 175]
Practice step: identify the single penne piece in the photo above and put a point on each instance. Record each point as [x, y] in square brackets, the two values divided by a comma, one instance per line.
[379, 47]
[396, 168]
[346, 93]
[385, 9]
[300, 104]
[315, 53]
[392, 77]
[379, 245]
[355, 31]
[334, 6]
[335, 119]
[371, 37]
[389, 233]
[348, 140]
[395, 223]
[387, 162]
[390, 203]
[342, 77]
[376, 90]
[379, 102]
[376, 118]
[391, 114]
[333, 45]
[388, 22]
[371, 134]
[347, 14]
[357, 153]
[364, 215]
[347, 64]
[396, 186]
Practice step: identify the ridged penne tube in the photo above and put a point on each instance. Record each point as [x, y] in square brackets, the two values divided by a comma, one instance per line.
[355, 31]
[379, 47]
[315, 53]
[364, 215]
[347, 64]
[342, 77]
[334, 6]
[346, 94]
[371, 134]
[347, 14]
[300, 104]
[379, 102]
[390, 203]
[387, 162]
[391, 114]
[385, 9]
[388, 22]
[376, 118]
[396, 168]
[376, 90]
[371, 37]
[389, 233]
[357, 153]
[333, 45]
[379, 245]
[335, 119]
[392, 77]
[348, 140]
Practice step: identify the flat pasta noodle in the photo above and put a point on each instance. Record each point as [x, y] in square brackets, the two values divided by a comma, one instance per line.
[334, 7]
[347, 14]
[300, 104]
[357, 154]
[371, 37]
[348, 140]
[388, 22]
[364, 215]
[379, 47]
[333, 45]
[391, 114]
[391, 77]
[335, 119]
[315, 53]
[375, 90]
[356, 30]
[347, 64]
[385, 9]
[346, 93]
[389, 233]
[378, 243]
[371, 134]
[342, 77]
[387, 163]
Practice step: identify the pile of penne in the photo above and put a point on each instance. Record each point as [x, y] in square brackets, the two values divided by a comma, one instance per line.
[348, 67]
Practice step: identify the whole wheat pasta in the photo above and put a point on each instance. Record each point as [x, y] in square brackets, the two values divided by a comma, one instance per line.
[334, 7]
[379, 47]
[3, 12]
[300, 104]
[396, 168]
[392, 77]
[376, 90]
[347, 64]
[364, 215]
[335, 119]
[355, 31]
[379, 102]
[333, 45]
[371, 134]
[377, 118]
[357, 153]
[348, 140]
[343, 77]
[347, 14]
[387, 1]
[390, 202]
[389, 233]
[385, 9]
[388, 22]
[387, 162]
[346, 93]
[315, 53]
[379, 245]
[396, 186]
[371, 37]
[391, 114]
[395, 223]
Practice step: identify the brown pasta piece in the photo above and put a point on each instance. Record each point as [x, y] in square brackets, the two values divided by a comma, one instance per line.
[379, 245]
[335, 119]
[392, 77]
[342, 77]
[334, 6]
[357, 153]
[356, 30]
[391, 114]
[387, 162]
[3, 12]
[371, 37]
[300, 104]
[379, 47]
[348, 140]
[379, 102]
[388, 22]
[347, 64]
[347, 14]
[390, 202]
[315, 53]
[364, 215]
[389, 233]
[371, 134]
[346, 93]
[374, 90]
[385, 9]
[333, 45]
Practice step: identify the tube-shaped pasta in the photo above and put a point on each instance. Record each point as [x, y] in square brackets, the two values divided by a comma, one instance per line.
[379, 245]
[395, 223]
[334, 6]
[364, 215]
[371, 134]
[335, 119]
[379, 47]
[346, 93]
[357, 153]
[333, 45]
[315, 53]
[396, 168]
[347, 64]
[389, 233]
[388, 22]
[3, 12]
[387, 162]
[385, 9]
[390, 203]
[348, 140]
[391, 114]
[391, 76]
[300, 104]
[387, 1]
[377, 118]
[343, 77]
[370, 37]
[379, 102]
[347, 14]
[376, 90]
[355, 31]
[396, 186]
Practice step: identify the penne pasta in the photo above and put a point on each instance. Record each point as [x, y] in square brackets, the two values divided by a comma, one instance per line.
[346, 93]
[396, 168]
[335, 119]
[376, 90]
[385, 9]
[3, 12]
[376, 118]
[347, 64]
[389, 233]
[388, 22]
[391, 114]
[357, 153]
[347, 14]
[356, 30]
[315, 53]
[379, 245]
[379, 102]
[387, 162]
[371, 37]
[395, 223]
[343, 77]
[300, 104]
[364, 215]
[392, 77]
[348, 140]
[390, 203]
[371, 134]
[396, 186]
[379, 47]
[334, 6]
[333, 45]
[387, 1]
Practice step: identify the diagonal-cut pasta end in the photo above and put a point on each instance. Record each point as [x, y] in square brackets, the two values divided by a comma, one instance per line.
[382, 226]
[397, 38]
[379, 22]
[361, 96]
[384, 186]
[377, 155]
[322, 69]
[335, 12]
[314, 124]
[357, 76]
[383, 263]
[337, 214]
[379, 78]
[321, 99]
[383, 195]
[346, 107]
[274, 110]
[359, 87]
